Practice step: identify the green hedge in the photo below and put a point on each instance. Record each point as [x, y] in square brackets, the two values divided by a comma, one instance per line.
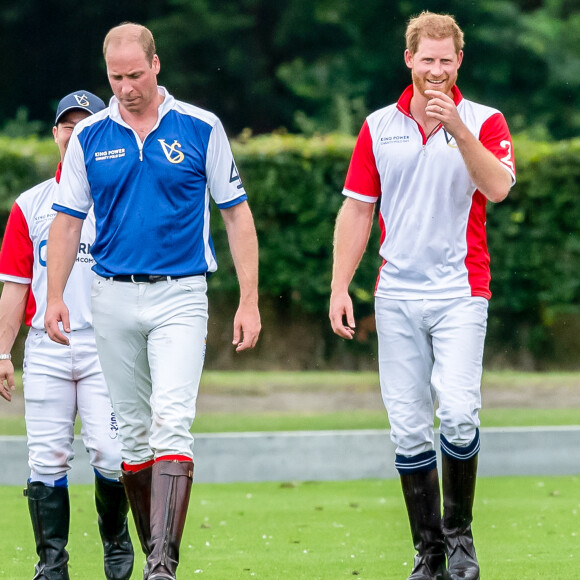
[23, 163]
[535, 247]
[295, 184]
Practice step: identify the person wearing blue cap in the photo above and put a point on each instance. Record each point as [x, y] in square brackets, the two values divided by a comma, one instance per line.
[60, 381]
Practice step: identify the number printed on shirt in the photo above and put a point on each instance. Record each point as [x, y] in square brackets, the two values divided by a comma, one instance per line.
[507, 160]
[235, 176]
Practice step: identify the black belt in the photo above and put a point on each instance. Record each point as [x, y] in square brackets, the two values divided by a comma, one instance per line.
[146, 278]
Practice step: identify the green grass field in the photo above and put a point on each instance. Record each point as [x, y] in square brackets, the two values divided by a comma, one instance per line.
[525, 528]
[358, 419]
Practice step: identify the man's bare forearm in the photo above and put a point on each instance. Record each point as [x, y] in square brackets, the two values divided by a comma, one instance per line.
[63, 243]
[487, 172]
[243, 244]
[351, 236]
[12, 307]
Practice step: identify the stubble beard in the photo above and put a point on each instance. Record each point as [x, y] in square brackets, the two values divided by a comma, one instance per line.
[420, 84]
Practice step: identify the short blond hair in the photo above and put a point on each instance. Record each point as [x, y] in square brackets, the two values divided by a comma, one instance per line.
[131, 32]
[436, 26]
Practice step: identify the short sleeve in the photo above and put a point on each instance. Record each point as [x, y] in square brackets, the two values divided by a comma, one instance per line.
[73, 195]
[362, 179]
[17, 252]
[495, 137]
[224, 181]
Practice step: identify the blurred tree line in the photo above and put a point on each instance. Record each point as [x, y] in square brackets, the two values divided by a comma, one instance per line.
[304, 65]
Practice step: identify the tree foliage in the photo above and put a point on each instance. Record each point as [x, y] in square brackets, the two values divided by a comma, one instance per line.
[306, 65]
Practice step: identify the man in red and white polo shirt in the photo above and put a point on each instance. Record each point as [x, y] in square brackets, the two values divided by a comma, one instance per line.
[431, 161]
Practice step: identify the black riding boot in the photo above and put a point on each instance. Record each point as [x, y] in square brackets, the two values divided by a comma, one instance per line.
[423, 500]
[50, 515]
[458, 493]
[112, 508]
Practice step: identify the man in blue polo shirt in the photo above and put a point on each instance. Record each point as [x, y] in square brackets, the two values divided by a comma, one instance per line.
[149, 165]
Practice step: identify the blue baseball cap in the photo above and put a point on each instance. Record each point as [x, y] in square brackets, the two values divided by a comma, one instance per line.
[82, 100]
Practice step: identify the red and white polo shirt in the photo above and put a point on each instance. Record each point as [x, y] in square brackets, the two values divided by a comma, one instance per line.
[23, 256]
[432, 217]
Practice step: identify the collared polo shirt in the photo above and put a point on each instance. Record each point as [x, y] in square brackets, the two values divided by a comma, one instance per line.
[152, 198]
[432, 217]
[23, 256]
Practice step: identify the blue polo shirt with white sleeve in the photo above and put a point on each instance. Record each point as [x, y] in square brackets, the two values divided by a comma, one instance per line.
[151, 199]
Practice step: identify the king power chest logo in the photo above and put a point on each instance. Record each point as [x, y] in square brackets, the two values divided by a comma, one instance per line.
[172, 152]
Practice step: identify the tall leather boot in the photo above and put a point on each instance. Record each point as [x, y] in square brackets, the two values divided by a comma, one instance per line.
[50, 515]
[138, 489]
[458, 494]
[112, 509]
[171, 487]
[423, 501]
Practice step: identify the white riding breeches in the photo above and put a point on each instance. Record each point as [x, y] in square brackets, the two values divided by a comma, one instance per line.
[431, 350]
[60, 381]
[151, 342]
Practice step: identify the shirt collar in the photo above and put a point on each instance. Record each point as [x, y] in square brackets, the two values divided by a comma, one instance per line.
[164, 107]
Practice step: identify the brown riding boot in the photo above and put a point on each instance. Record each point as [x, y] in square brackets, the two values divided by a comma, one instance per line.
[138, 489]
[171, 486]
[423, 501]
[458, 494]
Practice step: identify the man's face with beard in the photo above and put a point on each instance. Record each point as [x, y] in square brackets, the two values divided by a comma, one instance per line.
[434, 66]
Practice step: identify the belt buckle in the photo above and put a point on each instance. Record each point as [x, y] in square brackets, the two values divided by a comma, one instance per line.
[153, 279]
[137, 281]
